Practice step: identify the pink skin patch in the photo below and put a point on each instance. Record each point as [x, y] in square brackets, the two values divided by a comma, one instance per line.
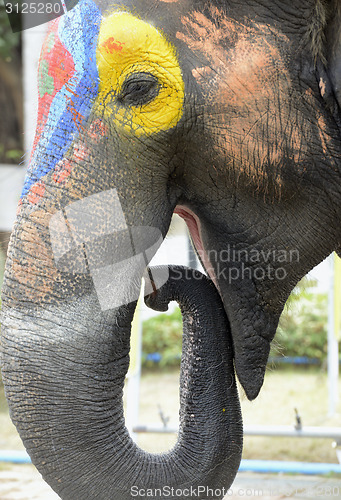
[194, 227]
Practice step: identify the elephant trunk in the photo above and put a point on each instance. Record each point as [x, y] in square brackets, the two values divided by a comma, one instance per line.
[71, 415]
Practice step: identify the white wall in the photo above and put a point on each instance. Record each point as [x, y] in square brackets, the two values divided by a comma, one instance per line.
[12, 176]
[32, 42]
[11, 181]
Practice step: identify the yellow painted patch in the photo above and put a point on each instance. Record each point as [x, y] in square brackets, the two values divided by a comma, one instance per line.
[129, 45]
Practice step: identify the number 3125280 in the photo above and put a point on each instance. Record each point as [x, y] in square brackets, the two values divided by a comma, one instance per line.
[34, 8]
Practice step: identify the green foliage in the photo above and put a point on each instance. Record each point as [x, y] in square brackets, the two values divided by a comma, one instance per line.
[9, 41]
[14, 154]
[163, 334]
[11, 124]
[11, 155]
[302, 329]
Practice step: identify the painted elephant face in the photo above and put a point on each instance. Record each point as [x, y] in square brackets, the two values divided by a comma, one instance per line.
[223, 112]
[213, 111]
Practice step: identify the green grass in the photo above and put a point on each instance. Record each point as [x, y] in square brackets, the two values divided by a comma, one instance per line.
[283, 391]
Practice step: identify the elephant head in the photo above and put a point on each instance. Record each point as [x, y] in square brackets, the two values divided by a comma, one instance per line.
[224, 112]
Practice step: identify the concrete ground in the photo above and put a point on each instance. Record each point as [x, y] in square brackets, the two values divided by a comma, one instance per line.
[23, 482]
[279, 486]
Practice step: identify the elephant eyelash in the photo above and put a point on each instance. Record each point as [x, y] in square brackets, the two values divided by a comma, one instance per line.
[139, 89]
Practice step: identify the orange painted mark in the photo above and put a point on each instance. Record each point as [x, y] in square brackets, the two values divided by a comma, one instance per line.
[248, 92]
[325, 138]
[80, 152]
[19, 207]
[36, 257]
[68, 87]
[112, 45]
[97, 130]
[76, 116]
[36, 193]
[203, 72]
[322, 85]
[62, 171]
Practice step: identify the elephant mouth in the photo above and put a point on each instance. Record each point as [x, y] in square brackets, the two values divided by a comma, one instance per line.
[193, 223]
[251, 340]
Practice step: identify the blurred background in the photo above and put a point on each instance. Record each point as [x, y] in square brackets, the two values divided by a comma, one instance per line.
[297, 377]
[11, 124]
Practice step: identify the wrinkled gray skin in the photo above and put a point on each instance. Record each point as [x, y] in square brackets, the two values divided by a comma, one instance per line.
[253, 166]
[81, 444]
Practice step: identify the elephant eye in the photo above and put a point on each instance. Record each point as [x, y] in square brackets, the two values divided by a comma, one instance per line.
[139, 89]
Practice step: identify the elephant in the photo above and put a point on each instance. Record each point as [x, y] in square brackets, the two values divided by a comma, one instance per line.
[226, 113]
[209, 406]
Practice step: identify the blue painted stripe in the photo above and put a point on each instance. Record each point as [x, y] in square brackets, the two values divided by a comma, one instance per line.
[78, 31]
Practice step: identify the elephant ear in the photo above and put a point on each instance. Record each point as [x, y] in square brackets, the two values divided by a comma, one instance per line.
[329, 62]
[333, 63]
[325, 35]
